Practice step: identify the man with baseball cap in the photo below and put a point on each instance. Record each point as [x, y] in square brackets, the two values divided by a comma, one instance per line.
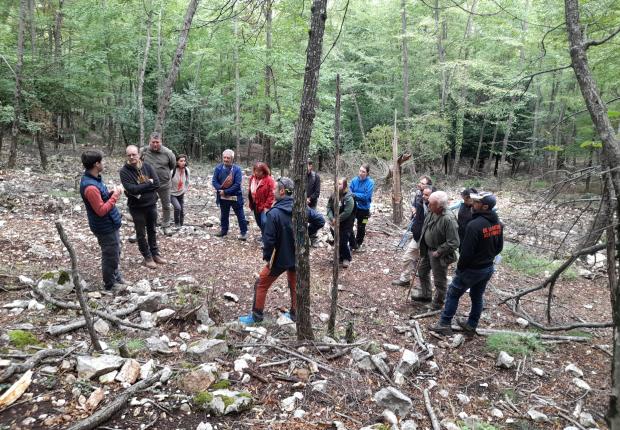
[483, 241]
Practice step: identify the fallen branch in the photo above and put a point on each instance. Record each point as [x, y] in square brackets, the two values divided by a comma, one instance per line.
[256, 375]
[32, 362]
[489, 332]
[74, 325]
[119, 403]
[425, 315]
[431, 412]
[287, 351]
[561, 327]
[78, 288]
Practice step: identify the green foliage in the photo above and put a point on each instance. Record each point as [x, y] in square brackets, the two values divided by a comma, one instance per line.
[22, 338]
[221, 384]
[202, 399]
[379, 141]
[590, 145]
[527, 262]
[514, 344]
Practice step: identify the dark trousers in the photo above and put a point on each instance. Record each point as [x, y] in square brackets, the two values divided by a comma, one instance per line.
[237, 206]
[179, 212]
[145, 222]
[361, 217]
[260, 218]
[439, 267]
[110, 244]
[476, 281]
[345, 237]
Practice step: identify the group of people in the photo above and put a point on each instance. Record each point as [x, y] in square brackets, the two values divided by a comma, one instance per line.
[154, 173]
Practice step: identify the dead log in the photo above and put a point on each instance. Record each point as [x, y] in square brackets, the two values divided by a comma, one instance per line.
[16, 390]
[489, 332]
[287, 351]
[78, 287]
[431, 412]
[56, 330]
[115, 406]
[32, 362]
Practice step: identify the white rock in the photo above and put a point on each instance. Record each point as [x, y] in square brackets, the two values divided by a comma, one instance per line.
[323, 317]
[537, 416]
[444, 393]
[208, 349]
[286, 324]
[497, 413]
[538, 371]
[184, 335]
[166, 373]
[386, 271]
[574, 370]
[288, 404]
[586, 420]
[299, 413]
[232, 297]
[164, 313]
[580, 383]
[33, 305]
[390, 347]
[28, 422]
[108, 378]
[102, 327]
[146, 369]
[458, 340]
[504, 360]
[390, 417]
[240, 365]
[463, 398]
[204, 426]
[392, 399]
[88, 366]
[408, 425]
[141, 287]
[26, 280]
[319, 385]
[462, 415]
[523, 322]
[245, 379]
[17, 304]
[130, 372]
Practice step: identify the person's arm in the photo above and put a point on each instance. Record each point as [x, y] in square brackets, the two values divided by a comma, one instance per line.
[152, 174]
[215, 181]
[270, 185]
[172, 160]
[452, 238]
[270, 235]
[455, 206]
[131, 186]
[364, 196]
[236, 185]
[316, 188]
[468, 246]
[349, 204]
[500, 245]
[93, 196]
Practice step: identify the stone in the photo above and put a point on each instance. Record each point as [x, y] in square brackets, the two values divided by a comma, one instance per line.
[574, 370]
[523, 323]
[108, 378]
[505, 360]
[288, 404]
[204, 426]
[538, 371]
[390, 418]
[33, 305]
[339, 425]
[319, 385]
[586, 420]
[150, 302]
[102, 327]
[166, 373]
[449, 425]
[57, 283]
[390, 347]
[299, 413]
[444, 393]
[323, 317]
[457, 341]
[408, 425]
[218, 332]
[147, 319]
[146, 370]
[208, 349]
[392, 399]
[49, 370]
[580, 383]
[240, 364]
[26, 280]
[156, 344]
[164, 314]
[361, 359]
[17, 304]
[224, 402]
[463, 398]
[377, 361]
[286, 324]
[184, 335]
[130, 372]
[90, 367]
[141, 287]
[496, 413]
[185, 281]
[231, 297]
[94, 399]
[202, 316]
[409, 363]
[537, 416]
[28, 422]
[185, 408]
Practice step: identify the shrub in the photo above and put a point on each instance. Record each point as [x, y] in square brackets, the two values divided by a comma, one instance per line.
[524, 261]
[22, 338]
[515, 344]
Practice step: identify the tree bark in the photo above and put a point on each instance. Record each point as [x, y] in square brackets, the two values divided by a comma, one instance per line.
[23, 4]
[458, 136]
[403, 6]
[303, 132]
[237, 94]
[41, 147]
[360, 123]
[500, 172]
[331, 325]
[492, 149]
[141, 72]
[441, 30]
[266, 138]
[32, 25]
[477, 160]
[611, 153]
[397, 197]
[166, 94]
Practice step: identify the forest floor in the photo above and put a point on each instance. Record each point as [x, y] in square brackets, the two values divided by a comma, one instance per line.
[466, 388]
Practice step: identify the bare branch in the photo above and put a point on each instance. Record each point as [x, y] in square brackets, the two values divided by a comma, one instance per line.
[601, 41]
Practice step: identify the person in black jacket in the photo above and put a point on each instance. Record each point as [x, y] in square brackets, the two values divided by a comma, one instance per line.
[313, 186]
[141, 182]
[412, 253]
[483, 241]
[279, 249]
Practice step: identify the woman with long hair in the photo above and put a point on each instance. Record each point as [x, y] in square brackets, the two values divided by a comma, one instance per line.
[260, 193]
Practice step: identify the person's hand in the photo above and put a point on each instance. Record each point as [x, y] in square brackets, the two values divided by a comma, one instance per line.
[221, 193]
[118, 189]
[436, 254]
[308, 201]
[151, 180]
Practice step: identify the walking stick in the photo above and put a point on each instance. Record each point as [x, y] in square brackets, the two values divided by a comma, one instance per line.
[413, 276]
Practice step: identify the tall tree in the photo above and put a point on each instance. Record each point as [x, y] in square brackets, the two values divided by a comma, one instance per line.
[303, 132]
[23, 4]
[266, 138]
[142, 69]
[333, 309]
[237, 92]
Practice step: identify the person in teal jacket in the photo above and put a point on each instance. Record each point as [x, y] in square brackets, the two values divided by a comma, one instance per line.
[362, 187]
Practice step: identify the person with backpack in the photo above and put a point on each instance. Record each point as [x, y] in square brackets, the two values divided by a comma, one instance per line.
[362, 187]
[347, 210]
[180, 185]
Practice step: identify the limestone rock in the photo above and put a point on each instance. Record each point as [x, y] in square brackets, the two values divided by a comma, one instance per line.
[574, 370]
[323, 317]
[231, 297]
[130, 372]
[146, 370]
[409, 363]
[392, 399]
[142, 287]
[580, 383]
[208, 349]
[204, 426]
[94, 399]
[102, 327]
[89, 366]
[497, 413]
[286, 324]
[288, 404]
[586, 420]
[156, 344]
[463, 398]
[523, 323]
[200, 379]
[408, 425]
[361, 359]
[457, 341]
[505, 360]
[202, 315]
[538, 371]
[150, 302]
[108, 378]
[537, 416]
[390, 347]
[224, 402]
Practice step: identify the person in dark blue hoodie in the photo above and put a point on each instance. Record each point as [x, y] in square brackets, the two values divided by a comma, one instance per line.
[279, 249]
[362, 187]
[483, 241]
[104, 219]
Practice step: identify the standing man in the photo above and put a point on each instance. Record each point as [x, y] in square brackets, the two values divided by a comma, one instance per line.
[362, 187]
[313, 186]
[226, 180]
[465, 210]
[141, 182]
[439, 240]
[104, 219]
[412, 253]
[279, 249]
[164, 162]
[483, 241]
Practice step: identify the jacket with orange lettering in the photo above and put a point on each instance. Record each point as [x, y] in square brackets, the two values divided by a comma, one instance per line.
[483, 240]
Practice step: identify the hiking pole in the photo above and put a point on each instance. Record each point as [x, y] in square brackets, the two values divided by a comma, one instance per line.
[413, 277]
[403, 239]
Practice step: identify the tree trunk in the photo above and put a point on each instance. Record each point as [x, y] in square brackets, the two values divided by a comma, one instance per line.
[611, 153]
[33, 28]
[141, 71]
[500, 172]
[397, 197]
[441, 30]
[403, 6]
[477, 160]
[359, 117]
[266, 137]
[458, 137]
[237, 95]
[42, 153]
[589, 172]
[18, 84]
[303, 132]
[166, 94]
[492, 149]
[160, 73]
[331, 325]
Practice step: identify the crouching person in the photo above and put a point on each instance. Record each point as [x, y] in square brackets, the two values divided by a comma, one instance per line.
[104, 219]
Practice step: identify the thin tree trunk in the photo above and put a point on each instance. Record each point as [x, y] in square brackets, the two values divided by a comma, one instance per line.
[331, 325]
[160, 73]
[397, 197]
[141, 72]
[33, 28]
[589, 174]
[360, 123]
[458, 137]
[441, 30]
[489, 167]
[166, 94]
[237, 94]
[303, 132]
[41, 147]
[611, 153]
[266, 137]
[500, 172]
[18, 84]
[477, 160]
[403, 6]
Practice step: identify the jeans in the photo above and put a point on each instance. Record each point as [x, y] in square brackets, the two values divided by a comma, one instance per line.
[474, 279]
[145, 222]
[237, 206]
[164, 197]
[439, 268]
[261, 219]
[110, 244]
[361, 216]
[179, 213]
[265, 280]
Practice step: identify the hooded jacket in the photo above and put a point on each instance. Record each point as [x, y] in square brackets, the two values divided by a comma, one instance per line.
[483, 240]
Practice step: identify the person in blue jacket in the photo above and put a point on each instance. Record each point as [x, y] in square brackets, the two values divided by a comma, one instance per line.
[226, 180]
[362, 187]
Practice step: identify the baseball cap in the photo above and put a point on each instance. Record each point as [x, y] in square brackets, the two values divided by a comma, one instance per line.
[485, 197]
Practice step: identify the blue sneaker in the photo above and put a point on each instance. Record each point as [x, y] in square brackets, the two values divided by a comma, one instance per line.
[248, 319]
[288, 315]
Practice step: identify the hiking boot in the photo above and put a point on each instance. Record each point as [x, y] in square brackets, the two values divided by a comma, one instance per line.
[159, 260]
[249, 319]
[418, 296]
[345, 263]
[400, 283]
[442, 329]
[243, 236]
[469, 330]
[220, 234]
[148, 262]
[132, 239]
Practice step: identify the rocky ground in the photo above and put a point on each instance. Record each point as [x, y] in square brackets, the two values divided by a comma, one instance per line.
[192, 366]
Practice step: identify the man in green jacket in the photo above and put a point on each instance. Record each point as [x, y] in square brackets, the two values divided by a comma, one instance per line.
[163, 161]
[438, 242]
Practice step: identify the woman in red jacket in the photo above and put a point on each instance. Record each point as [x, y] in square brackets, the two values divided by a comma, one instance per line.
[260, 193]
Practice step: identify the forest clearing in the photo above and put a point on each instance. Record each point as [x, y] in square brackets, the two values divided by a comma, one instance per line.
[364, 147]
